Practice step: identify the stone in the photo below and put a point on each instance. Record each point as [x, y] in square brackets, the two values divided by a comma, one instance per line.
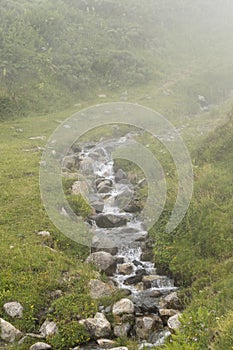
[44, 234]
[122, 330]
[174, 323]
[123, 306]
[120, 175]
[99, 289]
[120, 348]
[79, 187]
[103, 244]
[13, 309]
[136, 278]
[110, 220]
[152, 281]
[146, 325]
[48, 329]
[98, 206]
[98, 327]
[145, 303]
[165, 314]
[104, 261]
[86, 166]
[69, 162]
[125, 269]
[40, 346]
[8, 332]
[105, 343]
[171, 301]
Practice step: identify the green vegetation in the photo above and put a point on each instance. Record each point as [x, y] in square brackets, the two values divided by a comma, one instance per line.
[59, 54]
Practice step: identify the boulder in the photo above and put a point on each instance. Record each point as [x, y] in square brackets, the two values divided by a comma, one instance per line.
[98, 327]
[125, 269]
[123, 306]
[104, 261]
[146, 325]
[110, 220]
[40, 346]
[122, 330]
[171, 301]
[98, 205]
[136, 278]
[145, 303]
[153, 281]
[174, 323]
[105, 343]
[120, 175]
[165, 314]
[8, 332]
[99, 289]
[48, 329]
[13, 309]
[104, 244]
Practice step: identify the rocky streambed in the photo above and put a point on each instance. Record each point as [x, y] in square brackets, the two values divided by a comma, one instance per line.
[150, 308]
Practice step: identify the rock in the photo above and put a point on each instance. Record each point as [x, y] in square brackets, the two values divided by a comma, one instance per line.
[120, 175]
[110, 220]
[98, 206]
[123, 306]
[69, 162]
[44, 234]
[125, 269]
[122, 330]
[48, 329]
[136, 278]
[145, 303]
[99, 289]
[120, 348]
[105, 343]
[80, 187]
[165, 314]
[104, 244]
[13, 309]
[56, 294]
[137, 263]
[171, 301]
[146, 325]
[174, 323]
[98, 327]
[104, 188]
[8, 332]
[86, 166]
[152, 281]
[40, 346]
[104, 261]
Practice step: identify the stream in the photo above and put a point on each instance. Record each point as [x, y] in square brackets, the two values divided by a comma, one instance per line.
[119, 229]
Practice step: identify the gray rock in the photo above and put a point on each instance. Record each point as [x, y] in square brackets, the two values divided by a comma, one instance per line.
[99, 289]
[13, 309]
[174, 323]
[152, 281]
[165, 314]
[146, 325]
[110, 220]
[44, 234]
[48, 329]
[69, 162]
[40, 346]
[104, 261]
[104, 244]
[123, 306]
[122, 330]
[145, 303]
[120, 175]
[8, 332]
[125, 269]
[105, 343]
[120, 348]
[136, 278]
[98, 327]
[98, 206]
[171, 301]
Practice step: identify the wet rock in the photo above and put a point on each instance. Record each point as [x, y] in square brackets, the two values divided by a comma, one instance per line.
[122, 330]
[144, 303]
[125, 269]
[98, 327]
[104, 261]
[40, 346]
[104, 244]
[104, 188]
[8, 332]
[152, 281]
[158, 338]
[99, 289]
[165, 314]
[48, 329]
[105, 343]
[171, 301]
[146, 325]
[174, 323]
[136, 278]
[123, 306]
[110, 220]
[13, 309]
[120, 175]
[98, 206]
